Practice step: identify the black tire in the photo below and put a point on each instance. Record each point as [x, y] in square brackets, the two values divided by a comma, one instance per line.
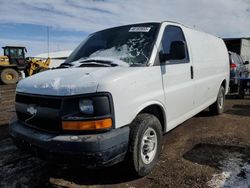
[218, 106]
[9, 76]
[144, 124]
[241, 94]
[234, 88]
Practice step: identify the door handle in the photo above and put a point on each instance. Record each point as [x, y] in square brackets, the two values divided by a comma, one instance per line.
[192, 72]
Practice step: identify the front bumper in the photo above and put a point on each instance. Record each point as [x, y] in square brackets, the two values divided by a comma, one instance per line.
[91, 151]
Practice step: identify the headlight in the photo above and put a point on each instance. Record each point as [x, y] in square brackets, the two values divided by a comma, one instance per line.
[86, 113]
[86, 106]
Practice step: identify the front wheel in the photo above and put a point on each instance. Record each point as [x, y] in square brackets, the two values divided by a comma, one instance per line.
[219, 105]
[145, 144]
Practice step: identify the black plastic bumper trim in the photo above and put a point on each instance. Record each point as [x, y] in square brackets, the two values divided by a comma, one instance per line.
[93, 150]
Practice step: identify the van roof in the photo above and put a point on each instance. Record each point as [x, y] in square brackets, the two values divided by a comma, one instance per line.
[172, 22]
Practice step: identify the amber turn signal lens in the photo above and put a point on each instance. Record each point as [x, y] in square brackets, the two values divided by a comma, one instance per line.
[87, 125]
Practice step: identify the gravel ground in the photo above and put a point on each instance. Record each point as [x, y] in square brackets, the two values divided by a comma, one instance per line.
[205, 151]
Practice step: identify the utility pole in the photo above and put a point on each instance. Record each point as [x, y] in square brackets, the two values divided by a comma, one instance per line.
[48, 39]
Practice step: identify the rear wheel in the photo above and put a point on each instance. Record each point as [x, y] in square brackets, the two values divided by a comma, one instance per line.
[218, 107]
[9, 76]
[145, 144]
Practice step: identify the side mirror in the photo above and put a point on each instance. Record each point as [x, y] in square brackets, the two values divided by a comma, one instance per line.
[163, 57]
[246, 63]
[177, 52]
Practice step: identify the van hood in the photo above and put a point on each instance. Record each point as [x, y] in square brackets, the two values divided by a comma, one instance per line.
[64, 82]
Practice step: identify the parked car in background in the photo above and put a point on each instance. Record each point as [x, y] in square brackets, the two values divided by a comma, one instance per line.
[239, 74]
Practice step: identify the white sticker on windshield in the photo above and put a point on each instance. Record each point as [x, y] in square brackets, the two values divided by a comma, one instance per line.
[139, 29]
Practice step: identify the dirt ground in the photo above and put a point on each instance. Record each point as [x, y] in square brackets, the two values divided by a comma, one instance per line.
[7, 96]
[205, 151]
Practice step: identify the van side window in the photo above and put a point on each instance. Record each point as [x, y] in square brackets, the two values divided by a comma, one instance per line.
[173, 34]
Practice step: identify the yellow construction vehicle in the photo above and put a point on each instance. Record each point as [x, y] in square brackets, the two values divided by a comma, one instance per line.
[13, 62]
[35, 65]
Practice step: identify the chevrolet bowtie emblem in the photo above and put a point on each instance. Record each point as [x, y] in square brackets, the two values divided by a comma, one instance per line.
[32, 110]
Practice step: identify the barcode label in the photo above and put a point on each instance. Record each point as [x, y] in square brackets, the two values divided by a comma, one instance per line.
[139, 29]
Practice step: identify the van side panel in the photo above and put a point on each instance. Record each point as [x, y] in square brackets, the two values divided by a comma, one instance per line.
[211, 66]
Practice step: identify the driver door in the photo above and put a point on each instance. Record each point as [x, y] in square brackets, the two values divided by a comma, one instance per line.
[177, 76]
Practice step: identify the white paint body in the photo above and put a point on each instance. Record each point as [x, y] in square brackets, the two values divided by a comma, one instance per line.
[135, 88]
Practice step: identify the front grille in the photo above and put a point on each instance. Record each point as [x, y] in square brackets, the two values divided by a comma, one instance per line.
[47, 116]
[50, 102]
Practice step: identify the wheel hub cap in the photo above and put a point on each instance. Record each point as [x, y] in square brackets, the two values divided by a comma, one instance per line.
[9, 76]
[148, 146]
[221, 100]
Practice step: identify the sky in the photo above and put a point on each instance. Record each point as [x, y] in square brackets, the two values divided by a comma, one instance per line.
[26, 22]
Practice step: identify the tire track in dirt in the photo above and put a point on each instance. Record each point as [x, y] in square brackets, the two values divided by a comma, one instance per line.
[18, 169]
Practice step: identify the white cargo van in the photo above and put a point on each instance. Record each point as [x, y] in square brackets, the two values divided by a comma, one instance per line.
[118, 92]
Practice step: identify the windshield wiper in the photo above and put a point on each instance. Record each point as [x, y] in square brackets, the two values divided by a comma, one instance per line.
[137, 65]
[98, 63]
[64, 65]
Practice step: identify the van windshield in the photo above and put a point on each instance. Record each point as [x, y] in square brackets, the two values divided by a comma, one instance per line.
[132, 44]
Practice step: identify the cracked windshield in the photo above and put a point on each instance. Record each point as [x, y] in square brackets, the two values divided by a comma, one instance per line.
[132, 44]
